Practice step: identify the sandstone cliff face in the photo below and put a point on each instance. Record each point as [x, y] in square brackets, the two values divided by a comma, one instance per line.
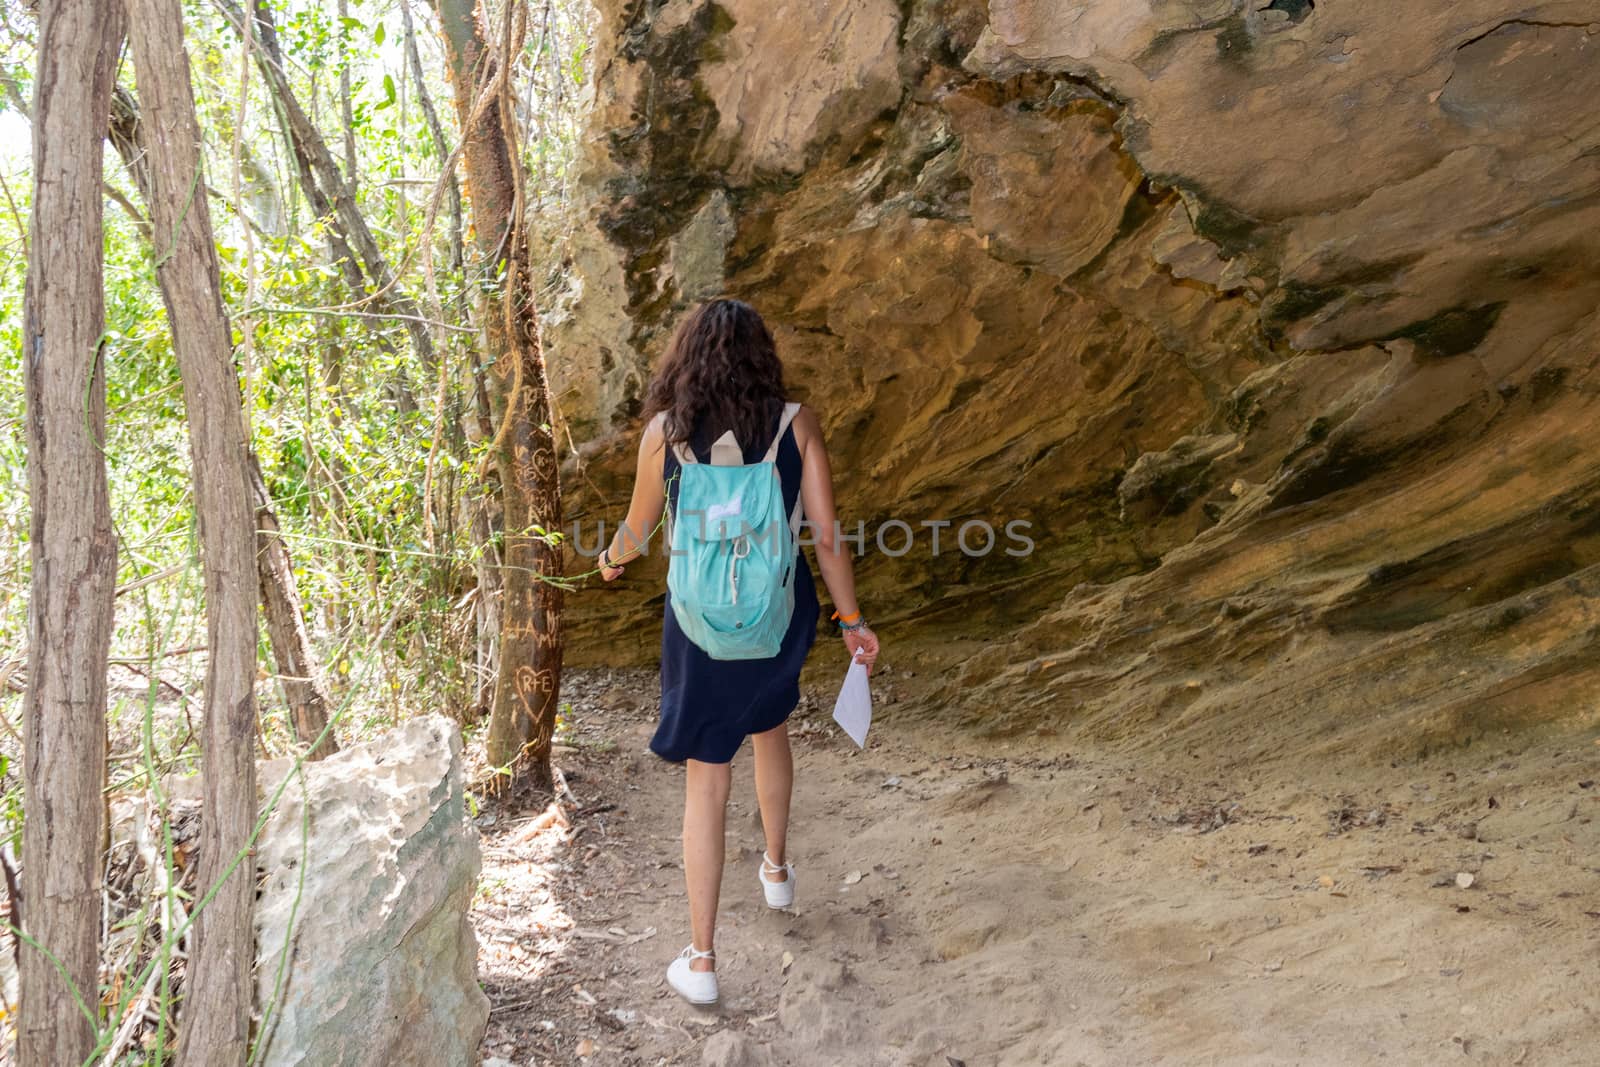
[1276, 320]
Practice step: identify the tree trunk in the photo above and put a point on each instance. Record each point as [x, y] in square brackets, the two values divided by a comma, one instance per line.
[331, 196]
[528, 683]
[345, 112]
[73, 549]
[486, 613]
[218, 989]
[457, 427]
[298, 670]
[430, 115]
[297, 666]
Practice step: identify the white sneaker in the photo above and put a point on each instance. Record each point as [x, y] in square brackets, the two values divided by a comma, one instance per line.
[697, 987]
[779, 894]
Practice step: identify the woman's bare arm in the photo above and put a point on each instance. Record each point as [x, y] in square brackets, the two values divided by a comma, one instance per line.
[816, 494]
[644, 512]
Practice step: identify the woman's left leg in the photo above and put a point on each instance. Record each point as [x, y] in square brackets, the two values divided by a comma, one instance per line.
[705, 812]
[774, 789]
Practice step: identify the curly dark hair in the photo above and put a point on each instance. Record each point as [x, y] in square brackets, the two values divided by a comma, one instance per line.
[721, 372]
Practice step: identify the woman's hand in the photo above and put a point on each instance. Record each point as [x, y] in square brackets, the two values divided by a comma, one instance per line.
[607, 571]
[863, 641]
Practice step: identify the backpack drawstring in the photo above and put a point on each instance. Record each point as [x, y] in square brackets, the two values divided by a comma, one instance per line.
[741, 549]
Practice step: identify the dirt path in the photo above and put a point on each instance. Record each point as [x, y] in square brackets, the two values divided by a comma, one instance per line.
[1027, 911]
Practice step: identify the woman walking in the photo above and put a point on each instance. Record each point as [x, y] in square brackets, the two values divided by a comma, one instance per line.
[718, 399]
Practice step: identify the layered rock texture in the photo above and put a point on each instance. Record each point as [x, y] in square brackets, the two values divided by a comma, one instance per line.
[1275, 320]
[368, 869]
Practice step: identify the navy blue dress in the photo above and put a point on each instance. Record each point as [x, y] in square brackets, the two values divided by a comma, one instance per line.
[709, 706]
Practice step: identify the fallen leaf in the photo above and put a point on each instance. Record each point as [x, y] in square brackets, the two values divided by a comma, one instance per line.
[853, 877]
[1325, 882]
[1464, 880]
[788, 960]
[585, 1049]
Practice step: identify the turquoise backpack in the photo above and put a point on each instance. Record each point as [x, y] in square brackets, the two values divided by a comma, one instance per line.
[733, 550]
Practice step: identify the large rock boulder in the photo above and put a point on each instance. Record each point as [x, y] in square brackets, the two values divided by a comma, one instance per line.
[1277, 321]
[369, 865]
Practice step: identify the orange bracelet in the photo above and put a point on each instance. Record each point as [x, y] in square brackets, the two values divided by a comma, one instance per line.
[852, 617]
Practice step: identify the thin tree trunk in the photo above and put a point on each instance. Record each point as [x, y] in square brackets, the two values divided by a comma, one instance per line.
[485, 552]
[487, 523]
[528, 683]
[298, 670]
[441, 149]
[297, 665]
[486, 612]
[73, 549]
[331, 196]
[345, 112]
[218, 990]
[480, 527]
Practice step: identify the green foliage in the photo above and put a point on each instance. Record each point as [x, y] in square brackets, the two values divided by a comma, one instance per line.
[343, 414]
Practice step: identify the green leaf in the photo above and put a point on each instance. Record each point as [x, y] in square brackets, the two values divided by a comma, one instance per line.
[388, 92]
[378, 34]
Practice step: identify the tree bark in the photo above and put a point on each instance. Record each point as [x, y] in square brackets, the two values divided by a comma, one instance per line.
[218, 992]
[298, 670]
[73, 549]
[527, 686]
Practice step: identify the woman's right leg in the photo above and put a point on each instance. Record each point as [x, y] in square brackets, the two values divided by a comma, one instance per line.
[705, 809]
[774, 787]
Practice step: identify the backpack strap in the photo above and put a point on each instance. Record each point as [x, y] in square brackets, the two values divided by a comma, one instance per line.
[679, 449]
[794, 524]
[789, 411]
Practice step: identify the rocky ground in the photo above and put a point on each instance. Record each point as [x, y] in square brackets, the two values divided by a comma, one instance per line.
[1021, 905]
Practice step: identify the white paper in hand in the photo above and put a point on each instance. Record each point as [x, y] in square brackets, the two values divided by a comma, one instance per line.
[853, 710]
